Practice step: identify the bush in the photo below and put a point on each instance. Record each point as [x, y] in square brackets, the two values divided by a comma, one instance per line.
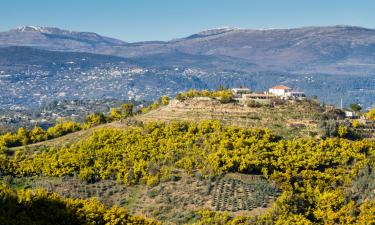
[371, 114]
[63, 128]
[95, 119]
[164, 100]
[224, 96]
[87, 174]
[356, 124]
[254, 104]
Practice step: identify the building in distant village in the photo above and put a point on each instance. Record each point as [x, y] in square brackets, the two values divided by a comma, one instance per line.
[350, 114]
[286, 92]
[280, 90]
[296, 95]
[245, 96]
[238, 92]
[262, 98]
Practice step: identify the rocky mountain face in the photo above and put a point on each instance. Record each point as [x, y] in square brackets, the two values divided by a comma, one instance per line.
[330, 62]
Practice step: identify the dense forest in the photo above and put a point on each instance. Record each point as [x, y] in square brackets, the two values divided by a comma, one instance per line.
[322, 181]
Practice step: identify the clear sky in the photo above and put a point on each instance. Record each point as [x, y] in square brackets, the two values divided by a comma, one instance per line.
[140, 20]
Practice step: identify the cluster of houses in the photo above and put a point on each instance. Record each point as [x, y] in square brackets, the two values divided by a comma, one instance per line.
[244, 95]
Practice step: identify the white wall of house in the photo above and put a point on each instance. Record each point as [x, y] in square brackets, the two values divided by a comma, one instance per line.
[278, 92]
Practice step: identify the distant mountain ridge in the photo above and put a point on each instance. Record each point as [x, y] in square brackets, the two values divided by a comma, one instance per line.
[55, 39]
[330, 62]
[15, 59]
[336, 49]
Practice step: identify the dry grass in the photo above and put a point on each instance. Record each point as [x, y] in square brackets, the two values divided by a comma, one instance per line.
[291, 119]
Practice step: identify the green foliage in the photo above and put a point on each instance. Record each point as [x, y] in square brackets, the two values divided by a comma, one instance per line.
[343, 131]
[356, 124]
[355, 107]
[146, 154]
[330, 128]
[160, 102]
[164, 100]
[23, 136]
[371, 114]
[313, 174]
[37, 134]
[63, 128]
[95, 119]
[10, 140]
[27, 207]
[210, 217]
[87, 174]
[224, 95]
[124, 111]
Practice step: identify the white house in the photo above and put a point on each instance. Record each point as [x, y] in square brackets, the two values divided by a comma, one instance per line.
[350, 114]
[285, 92]
[241, 91]
[238, 92]
[280, 90]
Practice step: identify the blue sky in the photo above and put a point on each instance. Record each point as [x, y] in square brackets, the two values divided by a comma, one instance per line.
[140, 20]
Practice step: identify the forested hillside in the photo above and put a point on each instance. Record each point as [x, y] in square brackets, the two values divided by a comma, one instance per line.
[321, 181]
[201, 158]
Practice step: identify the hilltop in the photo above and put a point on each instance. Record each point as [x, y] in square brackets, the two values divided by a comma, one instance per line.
[289, 118]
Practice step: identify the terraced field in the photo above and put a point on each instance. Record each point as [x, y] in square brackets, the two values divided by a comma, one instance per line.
[289, 119]
[233, 194]
[173, 202]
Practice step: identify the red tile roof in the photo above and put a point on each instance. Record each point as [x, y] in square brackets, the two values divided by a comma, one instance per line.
[281, 87]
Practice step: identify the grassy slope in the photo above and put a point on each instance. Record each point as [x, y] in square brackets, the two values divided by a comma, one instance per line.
[290, 120]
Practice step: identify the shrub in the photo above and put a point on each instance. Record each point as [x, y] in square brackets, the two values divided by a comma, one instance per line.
[254, 104]
[371, 114]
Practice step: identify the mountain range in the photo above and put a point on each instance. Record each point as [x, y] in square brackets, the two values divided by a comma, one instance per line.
[330, 62]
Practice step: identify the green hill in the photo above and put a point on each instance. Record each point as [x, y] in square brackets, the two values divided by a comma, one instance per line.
[203, 161]
[289, 119]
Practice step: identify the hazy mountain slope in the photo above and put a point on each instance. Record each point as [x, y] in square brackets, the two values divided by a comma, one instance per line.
[337, 49]
[16, 56]
[330, 62]
[30, 77]
[51, 38]
[209, 62]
